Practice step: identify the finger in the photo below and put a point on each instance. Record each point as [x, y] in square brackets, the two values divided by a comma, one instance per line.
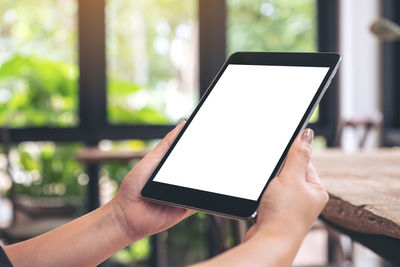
[146, 166]
[312, 175]
[299, 155]
[249, 233]
[190, 212]
[185, 213]
[167, 141]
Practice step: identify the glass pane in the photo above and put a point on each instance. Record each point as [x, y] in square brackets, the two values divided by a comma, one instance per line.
[151, 60]
[272, 25]
[38, 63]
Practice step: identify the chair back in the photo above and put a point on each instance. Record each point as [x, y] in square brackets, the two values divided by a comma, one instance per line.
[367, 124]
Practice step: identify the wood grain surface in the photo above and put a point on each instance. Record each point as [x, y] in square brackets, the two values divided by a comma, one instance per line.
[364, 189]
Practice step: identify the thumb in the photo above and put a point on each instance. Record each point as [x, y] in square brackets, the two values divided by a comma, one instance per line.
[167, 141]
[299, 155]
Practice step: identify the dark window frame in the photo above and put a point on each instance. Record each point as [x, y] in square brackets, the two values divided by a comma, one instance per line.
[328, 41]
[390, 54]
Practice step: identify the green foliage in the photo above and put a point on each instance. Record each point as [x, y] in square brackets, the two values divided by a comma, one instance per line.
[119, 110]
[139, 251]
[48, 169]
[45, 28]
[272, 25]
[187, 241]
[132, 55]
[38, 92]
[120, 53]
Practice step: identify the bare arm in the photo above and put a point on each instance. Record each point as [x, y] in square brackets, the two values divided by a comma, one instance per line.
[86, 241]
[268, 248]
[89, 240]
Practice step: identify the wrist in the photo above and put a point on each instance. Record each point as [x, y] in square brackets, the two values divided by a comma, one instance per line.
[292, 232]
[283, 245]
[118, 229]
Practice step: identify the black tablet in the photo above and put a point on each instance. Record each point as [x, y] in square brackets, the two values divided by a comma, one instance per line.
[237, 137]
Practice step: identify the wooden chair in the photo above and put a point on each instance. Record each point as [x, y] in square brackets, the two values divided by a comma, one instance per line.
[367, 124]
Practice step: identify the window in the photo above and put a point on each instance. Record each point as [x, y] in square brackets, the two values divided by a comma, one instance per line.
[56, 42]
[151, 60]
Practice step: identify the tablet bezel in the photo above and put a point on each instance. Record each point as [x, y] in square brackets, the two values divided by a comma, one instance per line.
[225, 205]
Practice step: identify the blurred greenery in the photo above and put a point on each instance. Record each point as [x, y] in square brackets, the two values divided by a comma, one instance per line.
[187, 242]
[158, 52]
[38, 92]
[120, 111]
[140, 251]
[38, 79]
[271, 25]
[46, 169]
[160, 20]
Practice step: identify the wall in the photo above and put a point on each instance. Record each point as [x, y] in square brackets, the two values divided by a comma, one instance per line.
[359, 73]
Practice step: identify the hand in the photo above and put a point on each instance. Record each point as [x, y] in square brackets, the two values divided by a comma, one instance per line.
[287, 210]
[295, 198]
[141, 218]
[90, 239]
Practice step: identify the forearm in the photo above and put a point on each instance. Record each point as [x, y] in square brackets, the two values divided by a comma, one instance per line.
[263, 249]
[86, 241]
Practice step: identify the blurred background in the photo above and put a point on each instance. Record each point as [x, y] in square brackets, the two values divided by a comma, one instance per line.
[88, 86]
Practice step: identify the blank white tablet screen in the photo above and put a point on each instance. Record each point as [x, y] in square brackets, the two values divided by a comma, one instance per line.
[237, 137]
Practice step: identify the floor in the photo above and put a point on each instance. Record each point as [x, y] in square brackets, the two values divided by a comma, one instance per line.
[314, 251]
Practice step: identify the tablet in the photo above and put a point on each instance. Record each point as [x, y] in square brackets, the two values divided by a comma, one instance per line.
[237, 137]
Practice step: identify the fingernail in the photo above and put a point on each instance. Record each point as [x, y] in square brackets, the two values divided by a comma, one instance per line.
[181, 121]
[308, 135]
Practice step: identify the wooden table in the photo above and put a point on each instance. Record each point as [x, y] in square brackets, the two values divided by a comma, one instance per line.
[364, 189]
[95, 155]
[92, 157]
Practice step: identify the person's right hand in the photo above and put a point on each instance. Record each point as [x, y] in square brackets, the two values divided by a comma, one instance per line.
[295, 198]
[289, 206]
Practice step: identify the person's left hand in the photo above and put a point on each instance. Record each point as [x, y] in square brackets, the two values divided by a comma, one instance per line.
[141, 218]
